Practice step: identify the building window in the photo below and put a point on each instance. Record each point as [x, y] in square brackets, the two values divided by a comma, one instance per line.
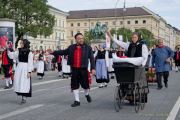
[114, 22]
[78, 24]
[63, 24]
[72, 24]
[60, 23]
[121, 22]
[92, 24]
[144, 21]
[136, 21]
[106, 23]
[78, 31]
[63, 36]
[128, 22]
[72, 33]
[55, 22]
[60, 36]
[57, 35]
[85, 24]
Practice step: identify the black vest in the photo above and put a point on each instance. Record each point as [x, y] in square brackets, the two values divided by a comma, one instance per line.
[101, 54]
[23, 55]
[41, 57]
[137, 50]
[110, 54]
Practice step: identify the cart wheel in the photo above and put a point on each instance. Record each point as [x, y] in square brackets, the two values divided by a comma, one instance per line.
[137, 100]
[143, 98]
[117, 98]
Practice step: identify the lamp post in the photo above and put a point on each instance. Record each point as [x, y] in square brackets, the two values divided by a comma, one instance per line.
[115, 13]
[124, 10]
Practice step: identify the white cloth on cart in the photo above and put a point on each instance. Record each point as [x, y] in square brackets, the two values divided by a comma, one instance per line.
[135, 61]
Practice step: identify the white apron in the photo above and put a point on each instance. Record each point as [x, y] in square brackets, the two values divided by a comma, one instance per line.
[65, 68]
[40, 67]
[21, 82]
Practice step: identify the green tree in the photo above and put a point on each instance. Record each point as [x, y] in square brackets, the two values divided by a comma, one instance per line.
[126, 33]
[147, 36]
[5, 8]
[88, 37]
[32, 16]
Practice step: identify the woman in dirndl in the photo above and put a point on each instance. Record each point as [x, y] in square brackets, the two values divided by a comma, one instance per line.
[66, 69]
[41, 65]
[22, 76]
[102, 64]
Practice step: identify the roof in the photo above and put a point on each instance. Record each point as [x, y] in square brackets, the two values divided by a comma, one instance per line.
[101, 13]
[53, 8]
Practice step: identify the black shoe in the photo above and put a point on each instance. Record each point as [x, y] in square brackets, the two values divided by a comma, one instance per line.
[11, 85]
[6, 87]
[75, 104]
[112, 77]
[23, 101]
[166, 85]
[88, 97]
[159, 88]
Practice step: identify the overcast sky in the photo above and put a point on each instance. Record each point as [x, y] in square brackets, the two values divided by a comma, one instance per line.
[168, 9]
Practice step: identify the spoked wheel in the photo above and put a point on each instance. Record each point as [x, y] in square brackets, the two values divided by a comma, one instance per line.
[117, 98]
[137, 100]
[143, 98]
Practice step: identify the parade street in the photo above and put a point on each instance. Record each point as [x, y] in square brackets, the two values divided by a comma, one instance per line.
[52, 98]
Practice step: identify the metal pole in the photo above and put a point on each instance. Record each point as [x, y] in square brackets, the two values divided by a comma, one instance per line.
[124, 9]
[115, 13]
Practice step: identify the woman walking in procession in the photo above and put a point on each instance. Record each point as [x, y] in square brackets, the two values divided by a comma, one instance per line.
[22, 76]
[102, 64]
[41, 65]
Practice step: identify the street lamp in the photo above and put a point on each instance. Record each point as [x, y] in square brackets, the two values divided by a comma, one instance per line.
[123, 14]
[115, 13]
[124, 10]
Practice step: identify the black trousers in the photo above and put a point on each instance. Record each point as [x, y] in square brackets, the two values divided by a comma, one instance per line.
[177, 63]
[59, 67]
[79, 77]
[159, 75]
[6, 69]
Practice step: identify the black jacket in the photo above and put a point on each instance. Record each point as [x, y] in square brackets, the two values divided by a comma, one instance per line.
[87, 54]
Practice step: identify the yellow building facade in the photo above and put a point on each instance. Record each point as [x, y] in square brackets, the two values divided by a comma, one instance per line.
[132, 18]
[178, 38]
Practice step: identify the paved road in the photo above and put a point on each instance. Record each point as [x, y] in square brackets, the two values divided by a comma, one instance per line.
[52, 98]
